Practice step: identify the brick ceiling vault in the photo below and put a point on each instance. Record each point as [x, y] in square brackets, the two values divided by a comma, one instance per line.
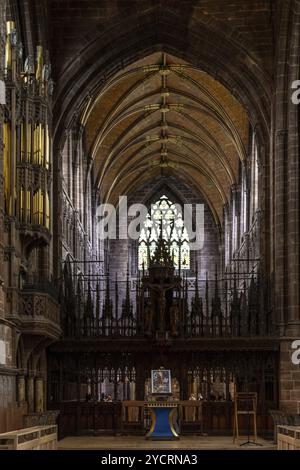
[162, 115]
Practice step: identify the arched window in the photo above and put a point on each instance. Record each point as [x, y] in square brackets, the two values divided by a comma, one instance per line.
[167, 215]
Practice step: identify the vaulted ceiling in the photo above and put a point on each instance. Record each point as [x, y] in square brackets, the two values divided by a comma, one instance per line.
[155, 85]
[162, 115]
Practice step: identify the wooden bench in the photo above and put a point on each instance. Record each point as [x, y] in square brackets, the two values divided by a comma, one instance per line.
[288, 437]
[34, 438]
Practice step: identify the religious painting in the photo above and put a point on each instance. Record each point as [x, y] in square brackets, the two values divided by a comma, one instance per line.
[161, 382]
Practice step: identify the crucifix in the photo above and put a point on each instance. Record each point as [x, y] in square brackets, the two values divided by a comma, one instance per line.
[162, 288]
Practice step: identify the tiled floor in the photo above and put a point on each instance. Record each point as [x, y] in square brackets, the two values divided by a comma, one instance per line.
[139, 442]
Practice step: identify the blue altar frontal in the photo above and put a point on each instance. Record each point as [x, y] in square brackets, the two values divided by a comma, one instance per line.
[163, 425]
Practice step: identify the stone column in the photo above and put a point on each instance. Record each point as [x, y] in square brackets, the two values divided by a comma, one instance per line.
[30, 393]
[20, 389]
[289, 378]
[2, 96]
[39, 395]
[285, 180]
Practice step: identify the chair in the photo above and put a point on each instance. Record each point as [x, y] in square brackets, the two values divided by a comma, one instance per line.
[133, 416]
[191, 417]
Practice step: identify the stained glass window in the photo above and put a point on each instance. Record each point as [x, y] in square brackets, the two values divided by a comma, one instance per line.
[167, 216]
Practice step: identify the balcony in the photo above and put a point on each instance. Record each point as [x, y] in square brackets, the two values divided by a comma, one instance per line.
[39, 310]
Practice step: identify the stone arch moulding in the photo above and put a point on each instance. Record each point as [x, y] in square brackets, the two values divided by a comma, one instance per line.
[166, 188]
[187, 180]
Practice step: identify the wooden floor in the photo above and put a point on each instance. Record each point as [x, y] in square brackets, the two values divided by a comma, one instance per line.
[139, 442]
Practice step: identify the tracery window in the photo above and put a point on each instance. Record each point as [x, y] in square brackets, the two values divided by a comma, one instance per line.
[165, 215]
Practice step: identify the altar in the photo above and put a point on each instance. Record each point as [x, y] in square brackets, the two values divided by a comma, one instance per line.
[164, 410]
[164, 423]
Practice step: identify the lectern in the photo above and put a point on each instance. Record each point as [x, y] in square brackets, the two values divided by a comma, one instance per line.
[245, 403]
